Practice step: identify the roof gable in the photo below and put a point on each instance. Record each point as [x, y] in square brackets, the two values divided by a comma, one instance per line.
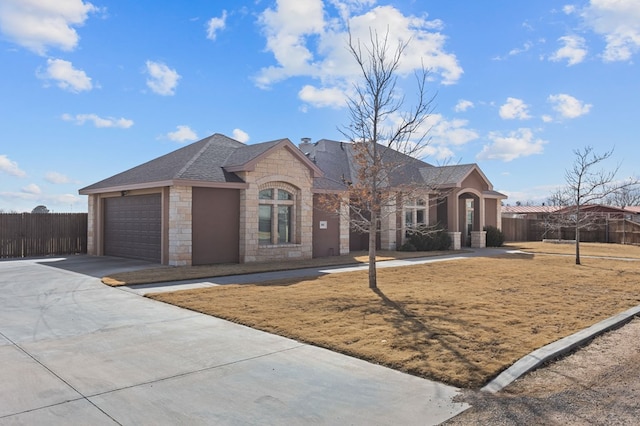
[246, 158]
[211, 161]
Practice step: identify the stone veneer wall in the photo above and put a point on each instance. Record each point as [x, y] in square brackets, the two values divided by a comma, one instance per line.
[279, 166]
[388, 220]
[92, 246]
[344, 227]
[478, 239]
[180, 223]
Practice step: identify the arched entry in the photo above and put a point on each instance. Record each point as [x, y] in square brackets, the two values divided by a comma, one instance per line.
[469, 215]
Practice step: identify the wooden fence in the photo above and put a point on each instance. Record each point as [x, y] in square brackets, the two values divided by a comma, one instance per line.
[619, 231]
[42, 234]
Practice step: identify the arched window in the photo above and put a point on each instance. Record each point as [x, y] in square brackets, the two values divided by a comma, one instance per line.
[276, 211]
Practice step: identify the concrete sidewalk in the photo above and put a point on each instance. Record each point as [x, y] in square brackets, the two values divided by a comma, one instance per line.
[143, 289]
[73, 351]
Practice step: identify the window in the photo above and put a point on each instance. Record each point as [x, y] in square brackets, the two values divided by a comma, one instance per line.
[415, 214]
[276, 212]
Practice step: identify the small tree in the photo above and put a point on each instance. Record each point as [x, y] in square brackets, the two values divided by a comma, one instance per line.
[40, 209]
[383, 138]
[585, 185]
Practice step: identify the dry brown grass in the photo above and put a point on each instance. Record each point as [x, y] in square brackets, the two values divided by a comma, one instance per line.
[459, 322]
[586, 249]
[164, 274]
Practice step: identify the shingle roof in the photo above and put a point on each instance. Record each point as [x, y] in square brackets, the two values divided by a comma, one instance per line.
[336, 159]
[246, 153]
[199, 161]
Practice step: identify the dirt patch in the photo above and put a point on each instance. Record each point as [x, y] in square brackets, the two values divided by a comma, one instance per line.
[598, 384]
[459, 322]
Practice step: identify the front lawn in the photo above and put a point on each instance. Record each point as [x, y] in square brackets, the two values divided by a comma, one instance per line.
[459, 322]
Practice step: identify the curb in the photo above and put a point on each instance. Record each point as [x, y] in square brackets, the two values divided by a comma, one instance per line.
[557, 348]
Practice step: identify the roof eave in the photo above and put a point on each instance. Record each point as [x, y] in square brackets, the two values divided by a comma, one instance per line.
[159, 184]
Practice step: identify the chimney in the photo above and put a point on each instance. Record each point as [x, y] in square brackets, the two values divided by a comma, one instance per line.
[305, 145]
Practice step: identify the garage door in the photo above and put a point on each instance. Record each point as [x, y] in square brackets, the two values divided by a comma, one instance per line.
[132, 227]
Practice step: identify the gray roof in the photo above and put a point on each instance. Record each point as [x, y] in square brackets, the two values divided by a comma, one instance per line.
[210, 160]
[447, 175]
[336, 159]
[199, 161]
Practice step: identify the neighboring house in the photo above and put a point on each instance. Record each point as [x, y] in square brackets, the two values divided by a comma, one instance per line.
[634, 213]
[221, 201]
[528, 212]
[599, 211]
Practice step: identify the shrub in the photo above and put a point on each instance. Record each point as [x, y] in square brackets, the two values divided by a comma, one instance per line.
[430, 239]
[407, 247]
[495, 237]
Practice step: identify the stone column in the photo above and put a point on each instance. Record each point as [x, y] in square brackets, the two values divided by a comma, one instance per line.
[92, 240]
[455, 240]
[478, 239]
[388, 226]
[180, 226]
[344, 226]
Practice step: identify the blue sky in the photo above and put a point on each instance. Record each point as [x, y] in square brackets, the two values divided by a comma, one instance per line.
[90, 89]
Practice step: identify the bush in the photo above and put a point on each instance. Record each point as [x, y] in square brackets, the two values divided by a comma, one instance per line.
[495, 237]
[407, 247]
[430, 239]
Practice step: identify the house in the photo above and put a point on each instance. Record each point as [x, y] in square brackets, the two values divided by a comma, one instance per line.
[218, 200]
[528, 212]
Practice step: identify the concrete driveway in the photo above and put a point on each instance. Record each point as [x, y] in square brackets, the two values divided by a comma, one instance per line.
[73, 351]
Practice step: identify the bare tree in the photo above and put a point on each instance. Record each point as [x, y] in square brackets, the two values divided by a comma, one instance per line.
[624, 197]
[383, 137]
[585, 185]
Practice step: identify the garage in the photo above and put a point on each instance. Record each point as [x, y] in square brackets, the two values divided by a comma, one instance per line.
[133, 226]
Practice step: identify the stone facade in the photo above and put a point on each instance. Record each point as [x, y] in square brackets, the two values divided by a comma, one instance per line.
[180, 224]
[478, 239]
[279, 170]
[92, 243]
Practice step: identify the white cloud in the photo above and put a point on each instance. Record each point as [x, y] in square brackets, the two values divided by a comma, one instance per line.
[240, 135]
[305, 43]
[327, 97]
[10, 167]
[463, 105]
[162, 79]
[519, 143]
[39, 25]
[216, 24]
[56, 178]
[574, 50]
[443, 136]
[618, 22]
[518, 50]
[66, 76]
[97, 121]
[182, 134]
[32, 188]
[568, 106]
[514, 109]
[448, 132]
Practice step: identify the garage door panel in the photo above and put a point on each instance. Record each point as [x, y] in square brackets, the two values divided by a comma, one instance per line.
[132, 227]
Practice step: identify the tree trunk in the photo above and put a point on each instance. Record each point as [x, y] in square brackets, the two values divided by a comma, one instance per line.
[577, 245]
[373, 232]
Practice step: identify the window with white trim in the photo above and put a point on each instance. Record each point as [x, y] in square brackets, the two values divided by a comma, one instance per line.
[415, 214]
[276, 214]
